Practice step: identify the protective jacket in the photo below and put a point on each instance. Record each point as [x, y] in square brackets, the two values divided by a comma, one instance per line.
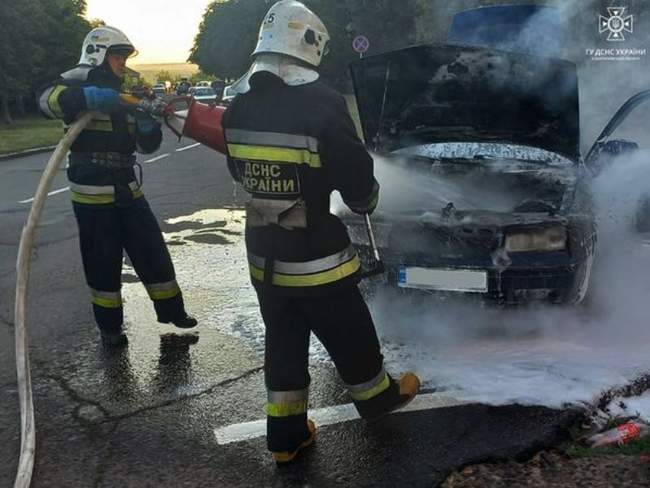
[101, 169]
[290, 147]
[111, 211]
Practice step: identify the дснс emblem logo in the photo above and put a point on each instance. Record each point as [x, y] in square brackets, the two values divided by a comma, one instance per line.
[616, 23]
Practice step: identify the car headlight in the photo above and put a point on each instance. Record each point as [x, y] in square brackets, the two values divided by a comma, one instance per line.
[549, 239]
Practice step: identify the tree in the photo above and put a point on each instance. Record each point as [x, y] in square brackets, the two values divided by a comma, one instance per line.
[228, 33]
[227, 36]
[39, 39]
[388, 24]
[18, 51]
[201, 76]
[165, 75]
[336, 17]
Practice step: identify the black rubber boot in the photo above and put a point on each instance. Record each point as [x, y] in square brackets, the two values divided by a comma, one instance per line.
[182, 322]
[286, 457]
[114, 341]
[398, 395]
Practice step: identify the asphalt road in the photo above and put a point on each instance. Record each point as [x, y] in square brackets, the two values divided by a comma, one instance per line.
[180, 409]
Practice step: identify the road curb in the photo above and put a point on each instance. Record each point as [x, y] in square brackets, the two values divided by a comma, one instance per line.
[28, 152]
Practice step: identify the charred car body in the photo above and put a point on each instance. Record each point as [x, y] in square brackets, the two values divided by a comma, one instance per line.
[498, 203]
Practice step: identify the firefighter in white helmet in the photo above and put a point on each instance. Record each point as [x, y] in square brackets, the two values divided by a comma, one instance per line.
[290, 143]
[111, 211]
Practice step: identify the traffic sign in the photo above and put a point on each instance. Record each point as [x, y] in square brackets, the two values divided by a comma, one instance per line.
[361, 44]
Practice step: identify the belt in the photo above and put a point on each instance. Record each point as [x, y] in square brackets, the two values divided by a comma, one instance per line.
[108, 159]
[289, 214]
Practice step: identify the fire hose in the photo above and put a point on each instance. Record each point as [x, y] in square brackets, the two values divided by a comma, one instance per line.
[23, 374]
[205, 128]
[27, 425]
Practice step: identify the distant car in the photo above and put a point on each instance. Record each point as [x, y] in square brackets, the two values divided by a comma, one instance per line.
[228, 95]
[203, 83]
[204, 95]
[495, 197]
[183, 88]
[159, 90]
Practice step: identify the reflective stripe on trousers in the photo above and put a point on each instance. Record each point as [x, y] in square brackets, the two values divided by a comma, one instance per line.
[308, 273]
[106, 299]
[162, 291]
[370, 389]
[287, 403]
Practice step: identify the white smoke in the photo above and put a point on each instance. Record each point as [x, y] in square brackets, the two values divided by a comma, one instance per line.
[546, 354]
[621, 279]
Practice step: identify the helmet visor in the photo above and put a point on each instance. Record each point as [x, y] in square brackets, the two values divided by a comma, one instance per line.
[123, 50]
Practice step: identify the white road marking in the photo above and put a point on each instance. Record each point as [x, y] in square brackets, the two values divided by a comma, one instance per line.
[157, 158]
[330, 415]
[188, 147]
[60, 190]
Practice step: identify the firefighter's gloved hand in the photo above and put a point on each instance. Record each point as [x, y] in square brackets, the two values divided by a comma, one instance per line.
[146, 124]
[102, 99]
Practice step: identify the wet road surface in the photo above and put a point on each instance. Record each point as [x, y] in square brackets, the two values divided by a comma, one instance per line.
[148, 416]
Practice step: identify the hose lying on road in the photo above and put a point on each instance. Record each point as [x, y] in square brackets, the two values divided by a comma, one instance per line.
[27, 427]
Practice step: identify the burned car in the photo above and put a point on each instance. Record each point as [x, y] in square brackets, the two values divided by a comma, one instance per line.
[485, 191]
[494, 199]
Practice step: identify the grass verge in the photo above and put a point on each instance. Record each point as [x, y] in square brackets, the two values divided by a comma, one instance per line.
[29, 133]
[636, 448]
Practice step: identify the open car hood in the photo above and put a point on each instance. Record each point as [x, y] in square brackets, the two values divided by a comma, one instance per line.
[444, 93]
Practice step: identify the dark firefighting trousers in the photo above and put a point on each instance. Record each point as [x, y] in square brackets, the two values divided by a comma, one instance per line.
[104, 232]
[343, 324]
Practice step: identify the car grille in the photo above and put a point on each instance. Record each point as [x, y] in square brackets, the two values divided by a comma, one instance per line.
[429, 245]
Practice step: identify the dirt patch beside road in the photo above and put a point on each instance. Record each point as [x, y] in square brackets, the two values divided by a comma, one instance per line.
[557, 470]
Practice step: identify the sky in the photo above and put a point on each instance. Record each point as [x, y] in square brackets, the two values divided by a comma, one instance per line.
[162, 30]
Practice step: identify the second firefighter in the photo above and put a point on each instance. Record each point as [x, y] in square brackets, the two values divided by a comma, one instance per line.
[112, 214]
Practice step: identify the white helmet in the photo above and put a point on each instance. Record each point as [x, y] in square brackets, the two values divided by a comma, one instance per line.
[290, 33]
[100, 41]
[292, 29]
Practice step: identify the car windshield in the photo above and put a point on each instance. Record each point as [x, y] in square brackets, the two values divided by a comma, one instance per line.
[204, 92]
[479, 152]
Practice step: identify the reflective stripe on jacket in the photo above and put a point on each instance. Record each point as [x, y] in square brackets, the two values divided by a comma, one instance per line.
[107, 133]
[100, 195]
[290, 147]
[309, 273]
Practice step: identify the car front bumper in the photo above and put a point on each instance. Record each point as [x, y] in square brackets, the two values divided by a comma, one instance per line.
[537, 277]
